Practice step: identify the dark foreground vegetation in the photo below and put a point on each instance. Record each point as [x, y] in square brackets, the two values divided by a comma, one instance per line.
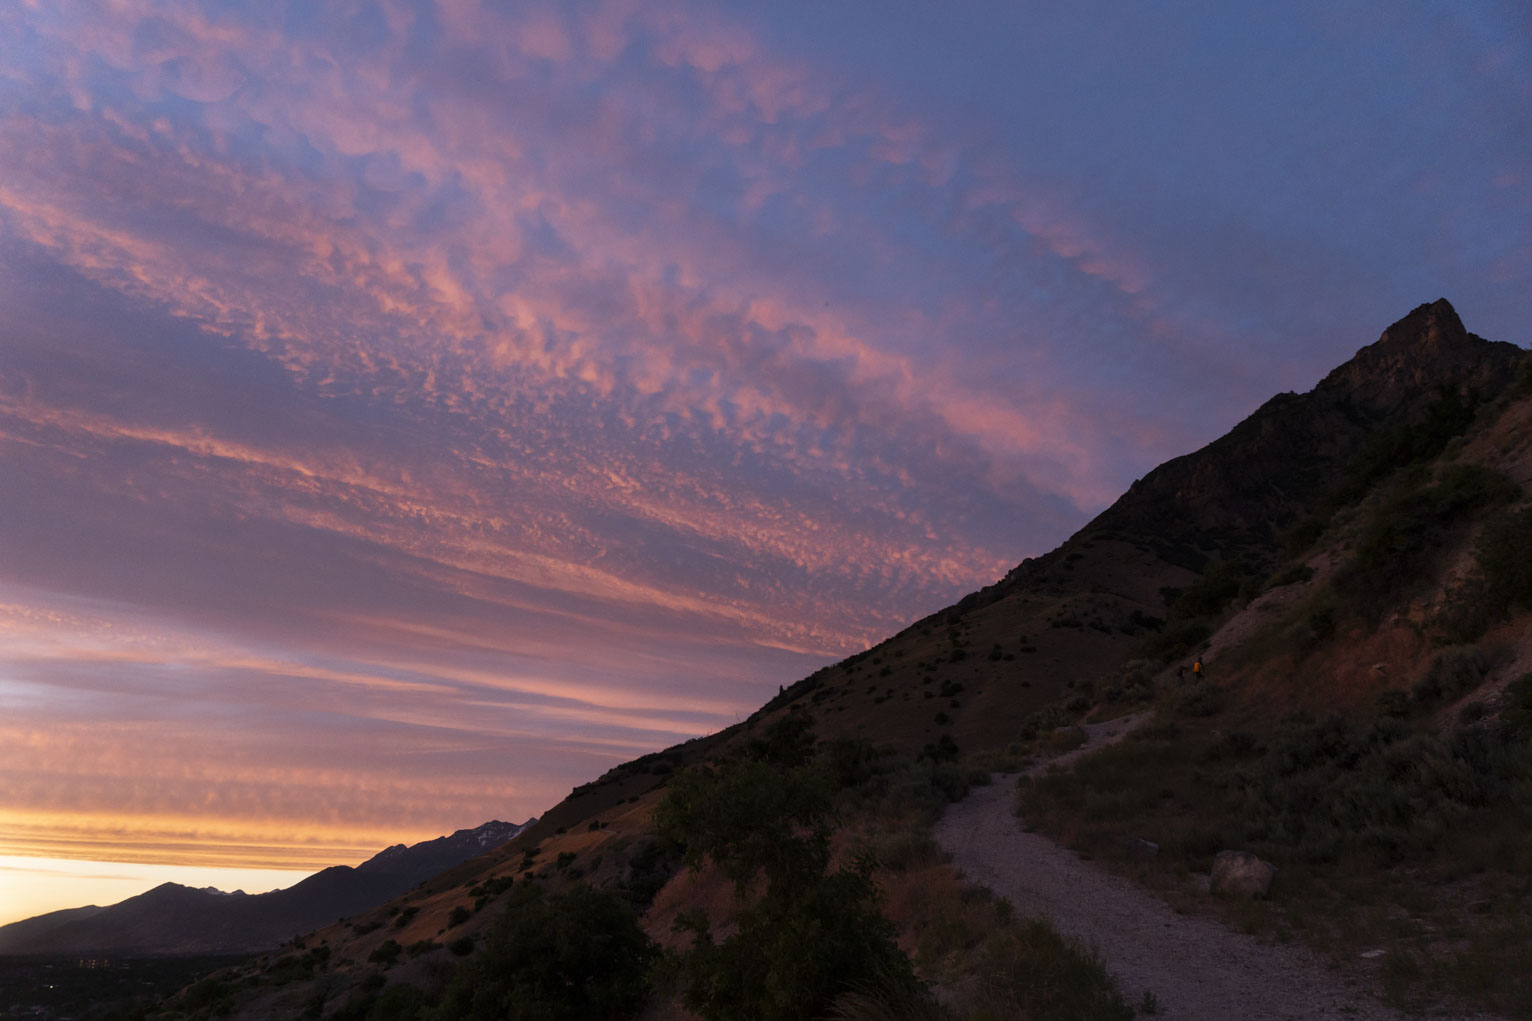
[47, 988]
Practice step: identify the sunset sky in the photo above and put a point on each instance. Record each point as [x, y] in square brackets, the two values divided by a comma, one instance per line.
[410, 410]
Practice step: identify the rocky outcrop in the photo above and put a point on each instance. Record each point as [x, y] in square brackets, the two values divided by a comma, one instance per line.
[1232, 498]
[1427, 349]
[1241, 874]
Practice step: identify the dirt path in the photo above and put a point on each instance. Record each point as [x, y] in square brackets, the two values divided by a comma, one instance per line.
[1196, 968]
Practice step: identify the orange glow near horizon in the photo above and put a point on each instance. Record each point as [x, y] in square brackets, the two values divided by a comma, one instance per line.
[35, 886]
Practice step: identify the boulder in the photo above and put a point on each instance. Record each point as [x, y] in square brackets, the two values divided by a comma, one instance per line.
[1241, 874]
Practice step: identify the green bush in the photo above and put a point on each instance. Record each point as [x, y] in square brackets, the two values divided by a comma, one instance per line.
[1030, 971]
[1504, 556]
[1393, 704]
[1302, 534]
[1043, 721]
[1209, 594]
[1176, 641]
[814, 933]
[1457, 670]
[1412, 521]
[1517, 714]
[554, 957]
[943, 750]
[386, 953]
[1198, 699]
[1327, 786]
[1291, 575]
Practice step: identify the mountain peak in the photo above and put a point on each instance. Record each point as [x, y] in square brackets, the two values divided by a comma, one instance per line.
[1429, 332]
[1427, 348]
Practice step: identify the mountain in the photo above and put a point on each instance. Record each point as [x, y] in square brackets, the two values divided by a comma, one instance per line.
[176, 919]
[1350, 563]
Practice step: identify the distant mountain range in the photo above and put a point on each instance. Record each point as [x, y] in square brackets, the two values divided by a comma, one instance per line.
[176, 919]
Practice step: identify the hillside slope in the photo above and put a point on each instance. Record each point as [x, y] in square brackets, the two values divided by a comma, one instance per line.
[1267, 550]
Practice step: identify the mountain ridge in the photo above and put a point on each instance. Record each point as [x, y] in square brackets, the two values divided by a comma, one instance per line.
[176, 919]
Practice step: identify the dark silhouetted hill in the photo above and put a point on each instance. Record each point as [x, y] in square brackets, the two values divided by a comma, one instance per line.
[176, 919]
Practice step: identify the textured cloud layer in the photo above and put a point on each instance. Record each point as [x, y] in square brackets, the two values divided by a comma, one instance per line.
[408, 410]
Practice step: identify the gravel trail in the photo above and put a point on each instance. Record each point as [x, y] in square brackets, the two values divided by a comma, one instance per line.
[1197, 968]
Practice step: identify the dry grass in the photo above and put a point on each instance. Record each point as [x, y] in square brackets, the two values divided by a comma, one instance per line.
[1444, 889]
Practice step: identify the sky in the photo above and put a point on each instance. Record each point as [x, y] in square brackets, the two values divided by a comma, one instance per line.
[410, 410]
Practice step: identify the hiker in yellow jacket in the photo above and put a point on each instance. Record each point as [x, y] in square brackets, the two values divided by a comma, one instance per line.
[1198, 673]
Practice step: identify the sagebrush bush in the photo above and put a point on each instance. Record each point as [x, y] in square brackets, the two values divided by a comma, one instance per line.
[1517, 714]
[1198, 699]
[1330, 785]
[1504, 556]
[554, 955]
[1457, 670]
[1030, 971]
[1042, 721]
[1209, 594]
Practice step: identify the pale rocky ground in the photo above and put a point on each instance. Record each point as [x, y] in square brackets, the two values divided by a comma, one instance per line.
[1197, 968]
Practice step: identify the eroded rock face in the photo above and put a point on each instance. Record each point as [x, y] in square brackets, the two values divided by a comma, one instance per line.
[1241, 874]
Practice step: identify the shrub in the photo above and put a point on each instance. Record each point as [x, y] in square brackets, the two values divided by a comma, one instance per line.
[1176, 641]
[813, 933]
[1030, 971]
[1290, 576]
[458, 915]
[1237, 744]
[1043, 721]
[943, 750]
[1504, 556]
[952, 782]
[1063, 739]
[1393, 703]
[1328, 785]
[1517, 714]
[1456, 670]
[1199, 699]
[853, 761]
[554, 957]
[1209, 594]
[1302, 534]
[386, 953]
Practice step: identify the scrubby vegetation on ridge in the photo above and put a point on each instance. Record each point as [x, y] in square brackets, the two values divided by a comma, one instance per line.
[1339, 805]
